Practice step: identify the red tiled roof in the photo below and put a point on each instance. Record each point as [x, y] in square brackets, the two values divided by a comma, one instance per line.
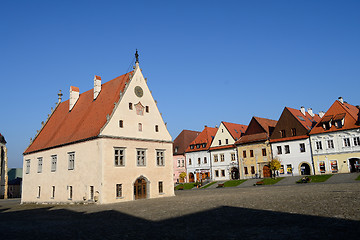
[83, 122]
[236, 130]
[289, 138]
[338, 109]
[266, 123]
[306, 120]
[253, 138]
[183, 140]
[222, 147]
[206, 136]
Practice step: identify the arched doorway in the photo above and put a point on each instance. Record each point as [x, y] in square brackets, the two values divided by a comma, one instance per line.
[266, 171]
[305, 169]
[140, 188]
[234, 173]
[354, 164]
[191, 177]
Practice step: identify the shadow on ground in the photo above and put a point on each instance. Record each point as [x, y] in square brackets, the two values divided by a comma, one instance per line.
[219, 223]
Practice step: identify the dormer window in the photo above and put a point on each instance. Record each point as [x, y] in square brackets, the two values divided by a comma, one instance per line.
[339, 120]
[197, 145]
[326, 122]
[191, 146]
[204, 145]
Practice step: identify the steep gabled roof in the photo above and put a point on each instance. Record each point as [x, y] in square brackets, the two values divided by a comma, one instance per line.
[236, 130]
[306, 120]
[267, 124]
[206, 136]
[84, 121]
[338, 111]
[183, 140]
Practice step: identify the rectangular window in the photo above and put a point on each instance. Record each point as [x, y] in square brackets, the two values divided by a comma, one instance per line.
[226, 141]
[244, 154]
[302, 147]
[70, 192]
[246, 170]
[40, 162]
[219, 142]
[282, 133]
[318, 145]
[71, 161]
[53, 163]
[233, 158]
[216, 173]
[334, 166]
[322, 166]
[183, 163]
[356, 141]
[178, 163]
[264, 151]
[222, 157]
[140, 127]
[91, 193]
[279, 150]
[287, 149]
[189, 161]
[330, 144]
[216, 159]
[130, 106]
[156, 128]
[39, 192]
[118, 190]
[205, 160]
[53, 192]
[141, 157]
[281, 170]
[27, 171]
[223, 173]
[161, 187]
[293, 132]
[160, 158]
[121, 123]
[251, 153]
[252, 170]
[346, 142]
[147, 109]
[199, 161]
[289, 169]
[119, 156]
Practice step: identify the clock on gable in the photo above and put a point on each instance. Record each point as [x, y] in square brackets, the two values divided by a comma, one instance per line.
[138, 91]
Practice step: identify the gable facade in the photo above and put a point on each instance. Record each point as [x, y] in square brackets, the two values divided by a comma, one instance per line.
[335, 140]
[113, 147]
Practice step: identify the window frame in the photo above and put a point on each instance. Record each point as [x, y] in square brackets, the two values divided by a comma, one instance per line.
[40, 163]
[121, 157]
[118, 191]
[53, 163]
[287, 149]
[141, 162]
[161, 187]
[302, 147]
[27, 170]
[279, 150]
[160, 157]
[71, 162]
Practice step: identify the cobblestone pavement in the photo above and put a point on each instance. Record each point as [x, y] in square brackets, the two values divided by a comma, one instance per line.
[303, 211]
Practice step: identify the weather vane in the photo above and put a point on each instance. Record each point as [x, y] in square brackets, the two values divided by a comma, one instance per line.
[137, 56]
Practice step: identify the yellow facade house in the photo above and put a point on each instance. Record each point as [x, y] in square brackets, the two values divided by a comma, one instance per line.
[106, 145]
[254, 150]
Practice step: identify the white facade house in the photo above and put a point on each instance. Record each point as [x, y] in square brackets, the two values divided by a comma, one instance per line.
[224, 162]
[106, 145]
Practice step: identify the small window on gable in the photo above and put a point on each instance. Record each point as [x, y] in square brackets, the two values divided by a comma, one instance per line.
[130, 106]
[121, 123]
[219, 142]
[156, 128]
[140, 127]
[147, 109]
[293, 132]
[282, 133]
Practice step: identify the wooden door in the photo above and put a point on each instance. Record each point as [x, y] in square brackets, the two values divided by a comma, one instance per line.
[140, 188]
[266, 171]
[191, 177]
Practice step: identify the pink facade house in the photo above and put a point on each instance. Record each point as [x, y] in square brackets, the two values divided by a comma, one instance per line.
[181, 143]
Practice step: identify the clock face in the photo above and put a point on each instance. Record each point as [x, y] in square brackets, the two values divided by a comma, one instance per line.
[138, 91]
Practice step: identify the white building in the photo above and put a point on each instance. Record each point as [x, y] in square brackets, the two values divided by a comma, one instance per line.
[290, 141]
[198, 156]
[224, 160]
[108, 144]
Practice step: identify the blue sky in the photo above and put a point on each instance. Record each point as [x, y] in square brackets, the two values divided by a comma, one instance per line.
[206, 61]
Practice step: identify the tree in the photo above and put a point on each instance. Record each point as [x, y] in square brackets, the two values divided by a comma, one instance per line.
[182, 176]
[274, 165]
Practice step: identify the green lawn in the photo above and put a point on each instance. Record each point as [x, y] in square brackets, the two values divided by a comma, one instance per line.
[319, 178]
[271, 181]
[208, 185]
[185, 185]
[358, 178]
[233, 183]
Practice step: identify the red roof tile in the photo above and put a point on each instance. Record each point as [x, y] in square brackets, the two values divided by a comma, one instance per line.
[288, 138]
[83, 122]
[206, 136]
[306, 120]
[253, 138]
[236, 130]
[183, 140]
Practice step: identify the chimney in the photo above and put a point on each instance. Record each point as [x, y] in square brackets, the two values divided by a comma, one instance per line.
[97, 86]
[302, 109]
[341, 100]
[74, 96]
[321, 114]
[310, 111]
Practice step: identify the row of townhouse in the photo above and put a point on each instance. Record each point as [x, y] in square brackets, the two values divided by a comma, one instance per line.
[305, 143]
